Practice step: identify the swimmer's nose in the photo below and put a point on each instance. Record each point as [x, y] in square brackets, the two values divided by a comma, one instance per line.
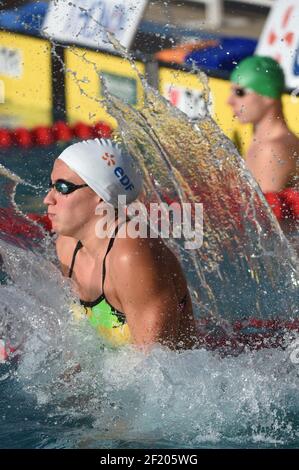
[50, 197]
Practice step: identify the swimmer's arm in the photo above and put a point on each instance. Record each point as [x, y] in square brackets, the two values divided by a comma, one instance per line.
[65, 248]
[148, 299]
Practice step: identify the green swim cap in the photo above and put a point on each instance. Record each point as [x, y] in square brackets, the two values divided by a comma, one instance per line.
[261, 74]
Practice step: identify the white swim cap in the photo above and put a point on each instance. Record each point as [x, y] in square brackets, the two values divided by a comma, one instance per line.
[105, 167]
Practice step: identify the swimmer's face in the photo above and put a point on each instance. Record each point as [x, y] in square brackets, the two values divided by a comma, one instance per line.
[248, 106]
[70, 214]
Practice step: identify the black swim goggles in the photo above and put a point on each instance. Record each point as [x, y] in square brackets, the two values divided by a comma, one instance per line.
[65, 187]
[240, 92]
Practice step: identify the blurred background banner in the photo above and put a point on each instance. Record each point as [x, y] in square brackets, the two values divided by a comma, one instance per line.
[86, 22]
[44, 81]
[26, 77]
[280, 38]
[83, 96]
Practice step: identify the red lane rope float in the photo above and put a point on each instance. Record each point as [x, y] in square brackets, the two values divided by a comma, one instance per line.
[59, 131]
[253, 334]
[101, 129]
[41, 219]
[5, 139]
[83, 131]
[284, 204]
[22, 137]
[14, 224]
[62, 131]
[42, 136]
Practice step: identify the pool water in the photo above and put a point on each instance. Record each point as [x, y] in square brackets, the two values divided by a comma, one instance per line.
[122, 399]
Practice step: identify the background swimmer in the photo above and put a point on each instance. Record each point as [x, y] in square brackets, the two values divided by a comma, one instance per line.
[257, 86]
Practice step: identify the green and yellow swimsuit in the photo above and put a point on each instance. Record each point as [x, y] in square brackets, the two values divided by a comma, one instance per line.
[106, 319]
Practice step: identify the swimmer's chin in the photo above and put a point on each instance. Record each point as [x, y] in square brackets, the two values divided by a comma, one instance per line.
[241, 118]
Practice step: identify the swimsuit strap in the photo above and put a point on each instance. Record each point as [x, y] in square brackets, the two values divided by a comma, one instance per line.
[111, 241]
[78, 247]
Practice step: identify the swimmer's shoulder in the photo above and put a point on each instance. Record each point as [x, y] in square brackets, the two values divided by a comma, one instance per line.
[286, 145]
[151, 253]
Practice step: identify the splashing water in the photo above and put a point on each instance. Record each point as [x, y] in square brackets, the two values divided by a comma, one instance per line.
[64, 388]
[67, 390]
[195, 162]
[12, 218]
[242, 239]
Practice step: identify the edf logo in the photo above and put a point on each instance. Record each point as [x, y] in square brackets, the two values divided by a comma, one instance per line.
[109, 158]
[123, 178]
